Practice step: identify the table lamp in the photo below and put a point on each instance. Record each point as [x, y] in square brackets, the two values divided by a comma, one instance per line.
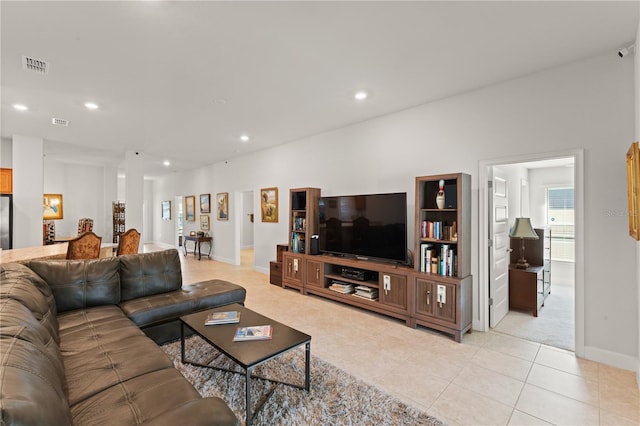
[522, 229]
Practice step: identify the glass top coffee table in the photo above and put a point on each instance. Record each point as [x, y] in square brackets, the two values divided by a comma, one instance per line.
[247, 354]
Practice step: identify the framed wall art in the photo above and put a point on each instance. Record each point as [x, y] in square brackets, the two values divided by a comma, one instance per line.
[222, 206]
[205, 203]
[166, 210]
[269, 204]
[633, 189]
[52, 207]
[204, 222]
[190, 208]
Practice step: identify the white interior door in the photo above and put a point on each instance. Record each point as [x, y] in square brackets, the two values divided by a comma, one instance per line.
[499, 248]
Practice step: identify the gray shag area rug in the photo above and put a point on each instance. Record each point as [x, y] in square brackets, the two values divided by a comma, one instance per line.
[335, 397]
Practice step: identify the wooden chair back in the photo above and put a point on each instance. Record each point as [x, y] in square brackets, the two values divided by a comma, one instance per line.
[129, 242]
[85, 225]
[86, 246]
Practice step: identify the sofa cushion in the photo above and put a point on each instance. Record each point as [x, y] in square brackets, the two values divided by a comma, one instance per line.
[101, 354]
[16, 321]
[135, 401]
[146, 311]
[78, 284]
[31, 392]
[147, 274]
[107, 324]
[19, 283]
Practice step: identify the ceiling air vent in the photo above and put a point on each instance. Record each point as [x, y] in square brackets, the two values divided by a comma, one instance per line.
[35, 65]
[60, 122]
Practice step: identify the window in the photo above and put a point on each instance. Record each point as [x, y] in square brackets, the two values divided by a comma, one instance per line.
[560, 218]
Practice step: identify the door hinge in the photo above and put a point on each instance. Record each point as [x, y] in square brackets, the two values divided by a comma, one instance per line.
[491, 301]
[490, 184]
[489, 242]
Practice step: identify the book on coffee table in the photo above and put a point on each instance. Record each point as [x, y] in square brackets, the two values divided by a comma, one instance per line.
[257, 332]
[227, 317]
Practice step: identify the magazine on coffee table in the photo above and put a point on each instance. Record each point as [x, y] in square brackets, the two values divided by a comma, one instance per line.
[257, 332]
[227, 317]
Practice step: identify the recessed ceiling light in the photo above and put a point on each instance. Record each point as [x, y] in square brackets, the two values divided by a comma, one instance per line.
[361, 95]
[244, 138]
[166, 163]
[220, 101]
[91, 105]
[20, 107]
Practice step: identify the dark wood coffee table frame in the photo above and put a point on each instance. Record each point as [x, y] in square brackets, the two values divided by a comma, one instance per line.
[248, 354]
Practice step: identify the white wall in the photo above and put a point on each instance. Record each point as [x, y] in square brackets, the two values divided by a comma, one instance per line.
[192, 182]
[27, 159]
[637, 138]
[83, 195]
[6, 153]
[582, 105]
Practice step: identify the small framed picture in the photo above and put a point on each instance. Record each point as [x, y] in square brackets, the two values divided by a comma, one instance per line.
[222, 206]
[205, 203]
[190, 208]
[269, 204]
[52, 207]
[204, 222]
[166, 210]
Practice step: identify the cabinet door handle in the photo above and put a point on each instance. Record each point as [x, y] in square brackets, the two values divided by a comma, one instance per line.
[317, 273]
[289, 268]
[428, 297]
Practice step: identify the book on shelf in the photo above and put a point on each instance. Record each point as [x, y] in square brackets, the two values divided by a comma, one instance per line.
[366, 292]
[226, 317]
[438, 230]
[297, 242]
[340, 287]
[256, 332]
[425, 257]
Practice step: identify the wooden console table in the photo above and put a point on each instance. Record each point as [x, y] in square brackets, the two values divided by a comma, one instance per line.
[197, 244]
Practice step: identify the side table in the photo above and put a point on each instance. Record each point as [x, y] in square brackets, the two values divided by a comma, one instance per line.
[197, 245]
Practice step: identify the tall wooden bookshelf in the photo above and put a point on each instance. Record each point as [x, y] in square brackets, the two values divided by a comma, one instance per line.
[303, 223]
[303, 218]
[443, 281]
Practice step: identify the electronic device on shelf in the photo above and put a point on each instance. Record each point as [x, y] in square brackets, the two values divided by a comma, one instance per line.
[371, 226]
[357, 274]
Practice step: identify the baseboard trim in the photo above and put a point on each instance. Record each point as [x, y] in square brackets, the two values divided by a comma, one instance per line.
[613, 359]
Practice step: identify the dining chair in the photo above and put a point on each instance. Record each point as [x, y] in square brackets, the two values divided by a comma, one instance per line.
[129, 242]
[86, 246]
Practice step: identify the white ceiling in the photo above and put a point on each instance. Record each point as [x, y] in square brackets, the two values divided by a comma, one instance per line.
[183, 80]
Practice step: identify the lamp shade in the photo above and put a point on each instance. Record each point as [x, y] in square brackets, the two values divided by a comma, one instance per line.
[523, 229]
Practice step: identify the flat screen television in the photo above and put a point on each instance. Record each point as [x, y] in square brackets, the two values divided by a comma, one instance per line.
[372, 226]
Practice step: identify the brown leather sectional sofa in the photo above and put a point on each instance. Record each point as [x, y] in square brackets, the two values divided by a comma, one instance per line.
[73, 348]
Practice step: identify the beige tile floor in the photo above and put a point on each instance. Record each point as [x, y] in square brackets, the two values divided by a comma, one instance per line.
[488, 379]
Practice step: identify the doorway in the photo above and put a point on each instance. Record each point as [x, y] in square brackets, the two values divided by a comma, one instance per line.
[179, 221]
[535, 185]
[247, 220]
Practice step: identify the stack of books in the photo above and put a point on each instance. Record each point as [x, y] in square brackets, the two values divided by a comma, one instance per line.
[256, 332]
[366, 292]
[226, 317]
[340, 287]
